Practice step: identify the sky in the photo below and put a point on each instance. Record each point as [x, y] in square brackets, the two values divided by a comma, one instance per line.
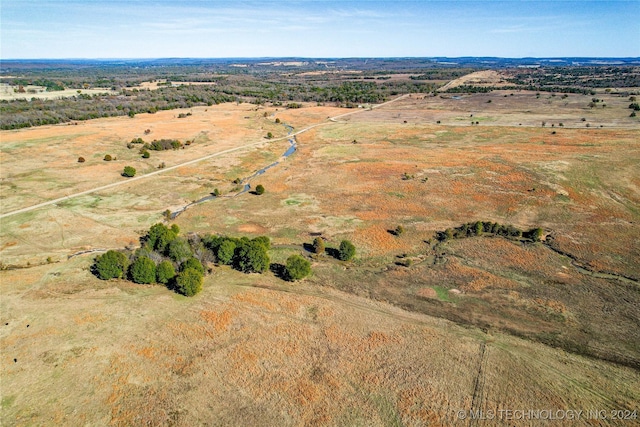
[39, 29]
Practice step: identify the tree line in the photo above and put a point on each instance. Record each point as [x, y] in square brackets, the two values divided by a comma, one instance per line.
[22, 113]
[479, 228]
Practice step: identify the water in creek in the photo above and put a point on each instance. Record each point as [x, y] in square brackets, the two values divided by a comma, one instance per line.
[246, 181]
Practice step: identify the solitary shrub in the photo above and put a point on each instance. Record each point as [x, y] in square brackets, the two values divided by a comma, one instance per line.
[81, 160]
[297, 268]
[347, 250]
[269, 135]
[165, 272]
[143, 270]
[277, 120]
[399, 230]
[108, 158]
[259, 189]
[189, 282]
[111, 265]
[318, 245]
[193, 263]
[145, 154]
[129, 171]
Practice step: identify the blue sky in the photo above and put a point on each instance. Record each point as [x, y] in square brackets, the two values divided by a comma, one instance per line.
[218, 29]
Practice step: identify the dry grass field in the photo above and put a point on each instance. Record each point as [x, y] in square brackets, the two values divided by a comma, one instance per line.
[474, 324]
[9, 93]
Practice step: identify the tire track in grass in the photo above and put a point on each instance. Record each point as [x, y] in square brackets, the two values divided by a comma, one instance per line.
[478, 387]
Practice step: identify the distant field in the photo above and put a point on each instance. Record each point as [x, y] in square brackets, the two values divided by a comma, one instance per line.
[376, 341]
[9, 93]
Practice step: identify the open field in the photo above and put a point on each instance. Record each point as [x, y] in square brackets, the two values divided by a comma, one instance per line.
[110, 353]
[377, 341]
[10, 93]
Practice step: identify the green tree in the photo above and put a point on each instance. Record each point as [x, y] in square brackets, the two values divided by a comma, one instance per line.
[189, 282]
[318, 245]
[399, 230]
[146, 154]
[111, 265]
[347, 250]
[297, 268]
[263, 240]
[159, 236]
[478, 228]
[226, 251]
[536, 234]
[178, 249]
[165, 272]
[143, 270]
[259, 189]
[175, 228]
[193, 263]
[448, 234]
[129, 171]
[251, 257]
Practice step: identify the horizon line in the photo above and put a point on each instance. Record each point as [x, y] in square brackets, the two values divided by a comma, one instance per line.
[312, 58]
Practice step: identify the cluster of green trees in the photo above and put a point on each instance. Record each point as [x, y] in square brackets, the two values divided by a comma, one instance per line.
[443, 74]
[480, 228]
[345, 252]
[179, 263]
[244, 254]
[162, 145]
[51, 85]
[163, 258]
[470, 89]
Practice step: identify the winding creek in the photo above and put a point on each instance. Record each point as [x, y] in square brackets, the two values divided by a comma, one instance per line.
[247, 181]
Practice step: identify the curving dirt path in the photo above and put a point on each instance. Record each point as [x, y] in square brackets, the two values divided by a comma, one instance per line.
[190, 162]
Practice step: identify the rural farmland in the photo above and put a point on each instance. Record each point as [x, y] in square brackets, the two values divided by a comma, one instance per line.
[491, 224]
